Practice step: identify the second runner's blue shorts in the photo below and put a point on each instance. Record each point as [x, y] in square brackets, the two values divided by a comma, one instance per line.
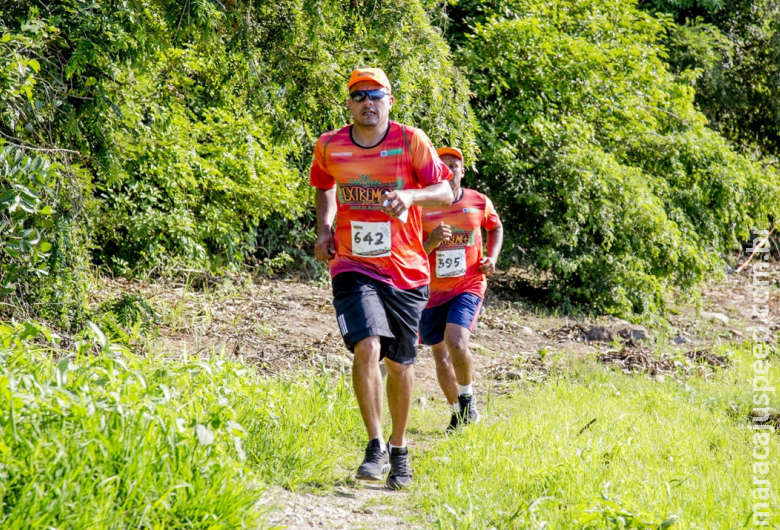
[462, 310]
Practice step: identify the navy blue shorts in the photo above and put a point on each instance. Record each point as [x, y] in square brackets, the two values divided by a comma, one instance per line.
[462, 310]
[366, 307]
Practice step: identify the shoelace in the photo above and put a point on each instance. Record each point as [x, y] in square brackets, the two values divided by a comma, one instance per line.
[400, 465]
[374, 454]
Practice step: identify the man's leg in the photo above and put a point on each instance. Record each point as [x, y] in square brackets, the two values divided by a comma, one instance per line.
[404, 308]
[445, 372]
[400, 384]
[456, 339]
[362, 320]
[367, 382]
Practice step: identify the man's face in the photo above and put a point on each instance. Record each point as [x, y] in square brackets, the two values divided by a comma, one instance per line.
[456, 166]
[368, 113]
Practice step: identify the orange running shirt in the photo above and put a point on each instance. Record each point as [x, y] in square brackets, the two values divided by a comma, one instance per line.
[455, 264]
[367, 240]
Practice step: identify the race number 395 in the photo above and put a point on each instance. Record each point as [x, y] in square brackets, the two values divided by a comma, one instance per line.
[370, 240]
[450, 263]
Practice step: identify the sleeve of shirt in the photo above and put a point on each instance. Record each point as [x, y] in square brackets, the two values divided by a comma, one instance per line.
[318, 175]
[491, 220]
[427, 165]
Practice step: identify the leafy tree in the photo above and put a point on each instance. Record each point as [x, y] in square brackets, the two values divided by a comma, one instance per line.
[197, 118]
[44, 194]
[733, 51]
[42, 245]
[180, 133]
[614, 186]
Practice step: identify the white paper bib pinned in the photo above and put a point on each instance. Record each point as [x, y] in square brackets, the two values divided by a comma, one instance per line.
[370, 240]
[450, 263]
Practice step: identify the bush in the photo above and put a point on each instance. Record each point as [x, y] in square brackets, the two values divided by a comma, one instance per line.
[44, 199]
[199, 118]
[730, 52]
[597, 157]
[103, 439]
[182, 134]
[42, 245]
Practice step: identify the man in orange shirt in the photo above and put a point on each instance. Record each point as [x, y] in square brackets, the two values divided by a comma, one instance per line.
[458, 269]
[372, 177]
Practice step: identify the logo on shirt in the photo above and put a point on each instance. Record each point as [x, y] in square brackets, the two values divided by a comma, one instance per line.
[461, 238]
[342, 153]
[365, 192]
[470, 210]
[392, 152]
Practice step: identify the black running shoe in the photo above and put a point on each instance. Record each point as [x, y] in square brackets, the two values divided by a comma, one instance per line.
[400, 471]
[454, 421]
[375, 464]
[468, 409]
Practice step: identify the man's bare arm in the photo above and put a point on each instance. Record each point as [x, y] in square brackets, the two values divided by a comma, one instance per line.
[495, 239]
[398, 201]
[439, 235]
[325, 203]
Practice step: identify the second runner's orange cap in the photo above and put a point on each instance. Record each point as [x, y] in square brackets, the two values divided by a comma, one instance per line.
[375, 75]
[454, 151]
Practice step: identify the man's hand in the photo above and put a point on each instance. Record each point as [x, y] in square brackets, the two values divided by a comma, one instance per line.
[395, 203]
[325, 247]
[439, 235]
[487, 266]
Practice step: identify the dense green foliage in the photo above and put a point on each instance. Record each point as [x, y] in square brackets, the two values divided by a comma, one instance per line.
[178, 135]
[42, 256]
[103, 439]
[181, 169]
[194, 122]
[44, 192]
[733, 51]
[607, 173]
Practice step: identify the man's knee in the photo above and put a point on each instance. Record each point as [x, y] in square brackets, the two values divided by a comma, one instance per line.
[457, 339]
[367, 351]
[440, 353]
[395, 369]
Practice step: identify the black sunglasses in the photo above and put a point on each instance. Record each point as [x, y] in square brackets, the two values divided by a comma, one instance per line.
[374, 95]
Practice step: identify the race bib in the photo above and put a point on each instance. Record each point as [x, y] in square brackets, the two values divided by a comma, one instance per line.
[371, 240]
[450, 263]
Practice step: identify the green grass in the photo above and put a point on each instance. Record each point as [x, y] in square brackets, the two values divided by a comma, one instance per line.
[105, 439]
[95, 437]
[602, 450]
[299, 433]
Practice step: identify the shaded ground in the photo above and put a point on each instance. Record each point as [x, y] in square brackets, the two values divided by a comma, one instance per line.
[287, 326]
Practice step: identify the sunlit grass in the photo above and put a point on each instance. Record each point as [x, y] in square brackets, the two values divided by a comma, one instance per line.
[95, 437]
[112, 440]
[105, 439]
[601, 450]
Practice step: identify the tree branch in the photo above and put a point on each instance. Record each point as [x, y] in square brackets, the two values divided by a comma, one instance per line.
[35, 148]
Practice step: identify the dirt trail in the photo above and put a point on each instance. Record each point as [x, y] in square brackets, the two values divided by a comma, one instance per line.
[364, 506]
[286, 326]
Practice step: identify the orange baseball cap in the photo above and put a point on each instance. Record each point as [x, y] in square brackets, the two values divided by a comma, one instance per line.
[375, 75]
[454, 151]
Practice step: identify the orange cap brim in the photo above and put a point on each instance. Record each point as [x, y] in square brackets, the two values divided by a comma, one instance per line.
[373, 75]
[454, 151]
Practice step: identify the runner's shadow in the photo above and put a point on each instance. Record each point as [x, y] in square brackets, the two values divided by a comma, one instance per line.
[379, 486]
